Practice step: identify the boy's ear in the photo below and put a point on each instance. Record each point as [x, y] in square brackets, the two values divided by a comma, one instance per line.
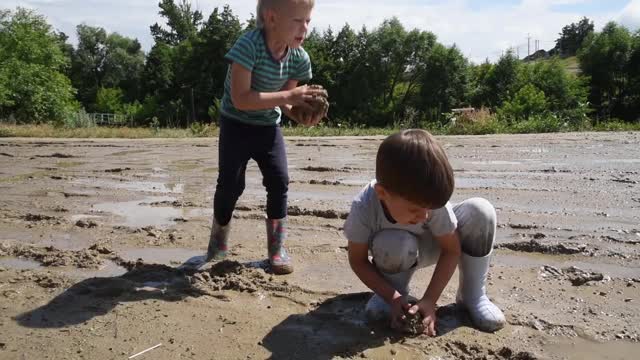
[380, 191]
[270, 17]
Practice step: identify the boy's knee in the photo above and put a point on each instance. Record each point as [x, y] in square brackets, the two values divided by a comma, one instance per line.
[394, 250]
[479, 210]
[277, 184]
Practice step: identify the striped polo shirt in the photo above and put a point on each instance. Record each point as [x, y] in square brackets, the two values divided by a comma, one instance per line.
[267, 75]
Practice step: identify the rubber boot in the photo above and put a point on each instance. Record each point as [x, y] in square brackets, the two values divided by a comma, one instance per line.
[278, 257]
[218, 241]
[377, 309]
[485, 315]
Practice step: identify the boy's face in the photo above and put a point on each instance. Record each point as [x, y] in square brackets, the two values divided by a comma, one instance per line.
[401, 210]
[291, 23]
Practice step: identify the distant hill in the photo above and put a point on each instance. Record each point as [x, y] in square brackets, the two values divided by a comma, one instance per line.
[571, 63]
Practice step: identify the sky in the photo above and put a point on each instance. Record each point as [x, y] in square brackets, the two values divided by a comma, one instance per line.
[480, 28]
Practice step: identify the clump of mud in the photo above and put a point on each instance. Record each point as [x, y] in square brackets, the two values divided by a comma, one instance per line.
[535, 246]
[39, 218]
[326, 214]
[324, 182]
[90, 258]
[174, 203]
[576, 276]
[56, 155]
[462, 351]
[232, 275]
[46, 280]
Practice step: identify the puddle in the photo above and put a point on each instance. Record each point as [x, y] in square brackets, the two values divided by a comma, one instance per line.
[583, 349]
[534, 150]
[141, 186]
[463, 182]
[527, 260]
[138, 213]
[135, 215]
[609, 161]
[19, 264]
[496, 162]
[171, 257]
[108, 269]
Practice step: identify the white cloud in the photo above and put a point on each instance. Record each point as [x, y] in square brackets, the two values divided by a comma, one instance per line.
[479, 34]
[630, 16]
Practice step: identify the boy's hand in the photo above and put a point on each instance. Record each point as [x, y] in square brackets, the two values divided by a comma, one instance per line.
[302, 95]
[313, 107]
[399, 306]
[428, 310]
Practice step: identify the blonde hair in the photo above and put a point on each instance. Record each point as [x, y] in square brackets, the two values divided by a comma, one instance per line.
[274, 5]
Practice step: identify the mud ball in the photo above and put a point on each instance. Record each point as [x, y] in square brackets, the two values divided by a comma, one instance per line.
[413, 324]
[318, 103]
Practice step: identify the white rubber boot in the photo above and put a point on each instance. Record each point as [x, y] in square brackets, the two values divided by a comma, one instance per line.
[377, 309]
[485, 315]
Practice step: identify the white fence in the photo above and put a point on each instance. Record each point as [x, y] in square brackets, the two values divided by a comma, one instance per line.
[82, 119]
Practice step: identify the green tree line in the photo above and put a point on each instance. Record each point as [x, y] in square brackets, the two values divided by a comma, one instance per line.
[385, 76]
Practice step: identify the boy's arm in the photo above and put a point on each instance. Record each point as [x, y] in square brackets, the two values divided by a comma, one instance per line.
[244, 98]
[368, 274]
[450, 252]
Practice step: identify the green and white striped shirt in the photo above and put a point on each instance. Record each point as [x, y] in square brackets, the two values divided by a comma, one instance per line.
[267, 75]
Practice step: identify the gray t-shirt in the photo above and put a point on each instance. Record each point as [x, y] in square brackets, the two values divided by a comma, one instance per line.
[367, 217]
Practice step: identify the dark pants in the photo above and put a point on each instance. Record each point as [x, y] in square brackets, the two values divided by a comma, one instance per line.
[238, 143]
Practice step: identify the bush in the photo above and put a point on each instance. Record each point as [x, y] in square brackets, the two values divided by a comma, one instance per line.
[476, 122]
[202, 130]
[528, 101]
[539, 124]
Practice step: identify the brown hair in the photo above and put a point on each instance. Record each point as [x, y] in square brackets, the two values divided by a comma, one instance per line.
[413, 165]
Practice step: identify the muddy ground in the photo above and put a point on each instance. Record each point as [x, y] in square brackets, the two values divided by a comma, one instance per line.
[99, 241]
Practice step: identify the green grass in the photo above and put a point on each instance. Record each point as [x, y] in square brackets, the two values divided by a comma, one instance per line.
[492, 126]
[572, 65]
[48, 131]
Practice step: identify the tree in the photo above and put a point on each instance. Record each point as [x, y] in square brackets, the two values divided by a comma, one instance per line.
[500, 83]
[33, 85]
[633, 71]
[109, 100]
[566, 94]
[605, 59]
[572, 37]
[182, 22]
[478, 83]
[445, 80]
[206, 68]
[106, 60]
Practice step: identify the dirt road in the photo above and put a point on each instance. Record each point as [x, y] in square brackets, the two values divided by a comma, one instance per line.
[98, 238]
